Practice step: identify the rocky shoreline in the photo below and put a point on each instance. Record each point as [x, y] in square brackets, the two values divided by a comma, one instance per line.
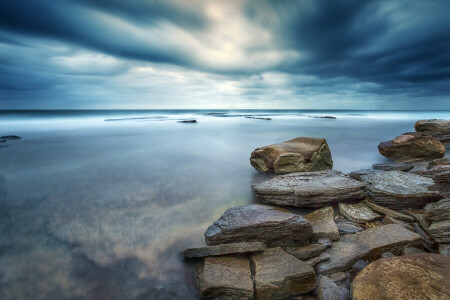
[381, 233]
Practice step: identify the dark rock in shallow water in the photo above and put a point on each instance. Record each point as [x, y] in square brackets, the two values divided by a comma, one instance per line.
[445, 161]
[259, 223]
[279, 275]
[415, 276]
[225, 277]
[412, 146]
[224, 249]
[187, 121]
[328, 290]
[301, 154]
[393, 166]
[368, 244]
[323, 117]
[258, 118]
[309, 189]
[398, 190]
[10, 137]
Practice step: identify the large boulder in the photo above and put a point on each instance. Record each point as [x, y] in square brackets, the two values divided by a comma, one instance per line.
[259, 223]
[322, 221]
[225, 277]
[279, 275]
[309, 189]
[301, 154]
[415, 276]
[224, 249]
[368, 245]
[440, 129]
[400, 190]
[412, 146]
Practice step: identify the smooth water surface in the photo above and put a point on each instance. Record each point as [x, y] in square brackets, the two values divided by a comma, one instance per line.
[98, 204]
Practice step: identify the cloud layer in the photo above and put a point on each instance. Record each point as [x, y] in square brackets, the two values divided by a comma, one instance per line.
[233, 54]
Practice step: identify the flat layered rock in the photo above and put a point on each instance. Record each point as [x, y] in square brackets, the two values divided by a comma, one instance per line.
[415, 276]
[440, 231]
[445, 161]
[438, 211]
[259, 223]
[319, 258]
[347, 227]
[224, 249]
[306, 252]
[431, 172]
[328, 290]
[358, 212]
[393, 166]
[368, 245]
[323, 224]
[390, 220]
[225, 277]
[279, 275]
[412, 146]
[302, 154]
[399, 190]
[389, 212]
[440, 129]
[309, 189]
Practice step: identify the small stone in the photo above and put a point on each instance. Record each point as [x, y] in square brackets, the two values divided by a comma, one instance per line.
[323, 224]
[338, 276]
[224, 249]
[328, 290]
[389, 212]
[358, 267]
[306, 252]
[281, 275]
[359, 213]
[387, 255]
[325, 241]
[320, 258]
[347, 227]
[444, 249]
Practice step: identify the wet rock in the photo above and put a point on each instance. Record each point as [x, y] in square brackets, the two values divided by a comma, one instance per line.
[389, 212]
[440, 129]
[338, 276]
[392, 166]
[359, 212]
[367, 245]
[187, 121]
[320, 258]
[225, 277]
[10, 137]
[440, 231]
[224, 249]
[390, 220]
[438, 210]
[306, 252]
[328, 290]
[416, 276]
[444, 249]
[259, 223]
[412, 146]
[280, 275]
[398, 190]
[323, 224]
[302, 154]
[357, 267]
[347, 227]
[309, 189]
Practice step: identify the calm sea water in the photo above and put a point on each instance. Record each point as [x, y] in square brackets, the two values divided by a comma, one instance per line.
[98, 204]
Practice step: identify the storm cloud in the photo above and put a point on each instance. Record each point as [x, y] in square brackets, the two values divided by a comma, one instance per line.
[232, 54]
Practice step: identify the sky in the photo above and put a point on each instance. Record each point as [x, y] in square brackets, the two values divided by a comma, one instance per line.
[235, 54]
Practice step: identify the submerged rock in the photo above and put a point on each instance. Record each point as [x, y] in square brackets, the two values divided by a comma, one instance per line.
[399, 190]
[328, 290]
[415, 276]
[309, 189]
[438, 210]
[323, 224]
[224, 249]
[10, 137]
[187, 121]
[301, 154]
[368, 245]
[412, 146]
[358, 212]
[259, 223]
[225, 277]
[279, 275]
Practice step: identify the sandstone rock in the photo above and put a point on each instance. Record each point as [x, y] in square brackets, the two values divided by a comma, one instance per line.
[444, 249]
[323, 225]
[399, 190]
[347, 227]
[440, 231]
[437, 128]
[320, 258]
[224, 249]
[415, 276]
[438, 210]
[280, 275]
[368, 245]
[338, 276]
[259, 223]
[302, 154]
[412, 146]
[225, 277]
[392, 166]
[445, 161]
[328, 290]
[309, 189]
[306, 252]
[359, 212]
[389, 212]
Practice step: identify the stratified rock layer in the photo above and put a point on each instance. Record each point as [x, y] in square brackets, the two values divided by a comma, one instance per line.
[440, 231]
[440, 129]
[225, 277]
[358, 212]
[399, 190]
[309, 189]
[259, 223]
[322, 221]
[301, 154]
[368, 244]
[224, 249]
[279, 275]
[412, 146]
[415, 276]
[438, 211]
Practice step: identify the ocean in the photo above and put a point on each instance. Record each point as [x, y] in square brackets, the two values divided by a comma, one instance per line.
[98, 204]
